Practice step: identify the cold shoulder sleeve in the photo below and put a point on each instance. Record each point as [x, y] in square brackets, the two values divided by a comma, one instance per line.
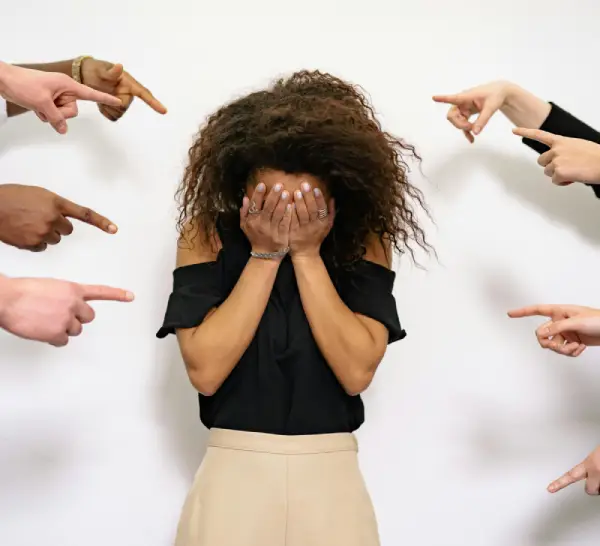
[367, 290]
[197, 289]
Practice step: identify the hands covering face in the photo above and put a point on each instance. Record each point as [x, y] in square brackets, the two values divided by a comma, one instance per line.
[278, 220]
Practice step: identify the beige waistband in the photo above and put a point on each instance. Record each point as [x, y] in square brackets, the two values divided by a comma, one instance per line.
[280, 444]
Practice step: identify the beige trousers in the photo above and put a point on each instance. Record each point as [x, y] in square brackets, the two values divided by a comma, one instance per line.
[268, 490]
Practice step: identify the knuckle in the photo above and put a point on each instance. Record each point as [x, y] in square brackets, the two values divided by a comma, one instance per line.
[86, 214]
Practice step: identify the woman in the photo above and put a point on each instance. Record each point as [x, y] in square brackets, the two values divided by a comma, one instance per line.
[291, 206]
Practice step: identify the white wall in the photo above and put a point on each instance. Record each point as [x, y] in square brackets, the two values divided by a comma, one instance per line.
[467, 420]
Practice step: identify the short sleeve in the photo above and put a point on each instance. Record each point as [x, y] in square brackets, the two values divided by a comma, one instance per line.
[197, 289]
[3, 113]
[367, 290]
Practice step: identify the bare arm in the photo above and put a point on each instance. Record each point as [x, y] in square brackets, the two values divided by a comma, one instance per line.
[352, 344]
[64, 67]
[523, 108]
[212, 349]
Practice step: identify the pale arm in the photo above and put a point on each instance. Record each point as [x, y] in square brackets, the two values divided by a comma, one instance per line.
[524, 109]
[64, 67]
[213, 349]
[353, 345]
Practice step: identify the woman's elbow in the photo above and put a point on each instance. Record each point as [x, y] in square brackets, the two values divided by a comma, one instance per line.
[206, 384]
[358, 381]
[203, 378]
[361, 372]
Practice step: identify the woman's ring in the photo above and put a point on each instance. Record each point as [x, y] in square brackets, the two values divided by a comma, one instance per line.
[322, 214]
[253, 209]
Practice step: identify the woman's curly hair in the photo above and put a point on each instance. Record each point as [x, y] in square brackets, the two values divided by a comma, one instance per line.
[310, 123]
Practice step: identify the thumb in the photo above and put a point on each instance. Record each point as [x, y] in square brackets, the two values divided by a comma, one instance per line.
[54, 117]
[573, 324]
[244, 209]
[114, 72]
[331, 207]
[487, 112]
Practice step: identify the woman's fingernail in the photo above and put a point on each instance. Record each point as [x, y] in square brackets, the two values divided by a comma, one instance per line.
[305, 186]
[112, 228]
[298, 195]
[129, 296]
[284, 195]
[277, 187]
[260, 187]
[317, 192]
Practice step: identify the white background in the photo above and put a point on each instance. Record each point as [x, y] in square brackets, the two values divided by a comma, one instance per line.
[467, 420]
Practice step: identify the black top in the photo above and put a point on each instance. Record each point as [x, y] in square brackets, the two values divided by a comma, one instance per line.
[282, 384]
[560, 122]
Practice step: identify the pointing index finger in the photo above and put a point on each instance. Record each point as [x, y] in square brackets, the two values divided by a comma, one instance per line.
[448, 99]
[532, 311]
[535, 134]
[93, 292]
[138, 90]
[87, 215]
[83, 92]
[576, 474]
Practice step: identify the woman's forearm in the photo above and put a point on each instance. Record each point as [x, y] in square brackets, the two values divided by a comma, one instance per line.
[64, 67]
[343, 339]
[524, 109]
[212, 349]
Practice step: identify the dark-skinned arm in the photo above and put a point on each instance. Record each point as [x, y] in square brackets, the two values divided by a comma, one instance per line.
[352, 344]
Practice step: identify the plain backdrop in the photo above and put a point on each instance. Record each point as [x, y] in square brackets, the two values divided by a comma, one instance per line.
[467, 419]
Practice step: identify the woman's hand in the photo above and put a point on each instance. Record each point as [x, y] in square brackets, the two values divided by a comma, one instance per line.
[570, 330]
[588, 470]
[266, 222]
[111, 78]
[569, 159]
[312, 221]
[484, 100]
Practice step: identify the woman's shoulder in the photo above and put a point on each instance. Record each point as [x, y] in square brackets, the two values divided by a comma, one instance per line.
[195, 245]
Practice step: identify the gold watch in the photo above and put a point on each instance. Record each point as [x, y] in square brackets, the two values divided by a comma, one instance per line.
[76, 67]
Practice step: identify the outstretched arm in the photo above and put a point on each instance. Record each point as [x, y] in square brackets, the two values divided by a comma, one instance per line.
[62, 67]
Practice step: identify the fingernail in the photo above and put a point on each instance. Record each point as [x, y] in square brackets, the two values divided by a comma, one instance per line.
[62, 127]
[298, 195]
[476, 130]
[260, 187]
[284, 195]
[277, 187]
[129, 296]
[112, 228]
[317, 192]
[305, 186]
